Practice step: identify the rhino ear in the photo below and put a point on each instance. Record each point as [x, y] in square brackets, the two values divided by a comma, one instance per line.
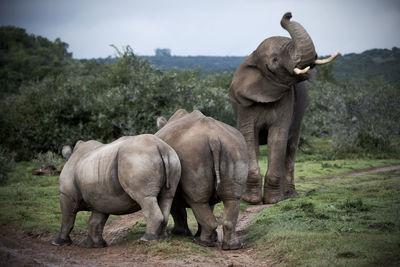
[249, 86]
[66, 151]
[161, 121]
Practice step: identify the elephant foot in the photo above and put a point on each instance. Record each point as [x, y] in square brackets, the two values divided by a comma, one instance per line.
[205, 243]
[181, 232]
[271, 198]
[149, 237]
[89, 243]
[232, 245]
[291, 193]
[251, 198]
[58, 241]
[252, 193]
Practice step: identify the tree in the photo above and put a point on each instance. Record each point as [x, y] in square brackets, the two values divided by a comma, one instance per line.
[26, 57]
[163, 52]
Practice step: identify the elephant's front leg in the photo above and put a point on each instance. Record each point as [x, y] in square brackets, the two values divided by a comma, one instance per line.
[231, 213]
[252, 192]
[273, 184]
[289, 187]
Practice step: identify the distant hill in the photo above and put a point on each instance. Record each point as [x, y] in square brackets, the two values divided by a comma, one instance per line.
[208, 64]
[368, 65]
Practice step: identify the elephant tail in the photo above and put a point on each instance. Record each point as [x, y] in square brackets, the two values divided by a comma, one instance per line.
[215, 145]
[165, 161]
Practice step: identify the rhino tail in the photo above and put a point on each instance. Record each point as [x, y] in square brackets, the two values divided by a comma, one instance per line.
[215, 146]
[165, 161]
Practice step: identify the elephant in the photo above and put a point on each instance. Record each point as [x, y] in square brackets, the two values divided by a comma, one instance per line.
[129, 174]
[269, 97]
[214, 164]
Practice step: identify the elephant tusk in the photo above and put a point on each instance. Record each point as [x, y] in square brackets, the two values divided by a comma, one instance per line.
[326, 60]
[299, 71]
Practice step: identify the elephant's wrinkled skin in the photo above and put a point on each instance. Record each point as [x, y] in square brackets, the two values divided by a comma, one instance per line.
[269, 97]
[129, 174]
[214, 167]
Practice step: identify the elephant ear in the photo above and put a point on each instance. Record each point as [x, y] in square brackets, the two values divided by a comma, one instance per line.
[250, 86]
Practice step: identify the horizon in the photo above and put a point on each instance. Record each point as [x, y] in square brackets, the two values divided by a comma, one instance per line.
[225, 28]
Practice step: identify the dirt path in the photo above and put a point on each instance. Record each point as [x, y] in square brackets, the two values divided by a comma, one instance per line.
[21, 249]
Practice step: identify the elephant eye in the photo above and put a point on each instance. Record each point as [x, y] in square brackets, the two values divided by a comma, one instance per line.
[275, 59]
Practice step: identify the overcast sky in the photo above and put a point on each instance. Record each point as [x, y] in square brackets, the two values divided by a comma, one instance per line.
[204, 27]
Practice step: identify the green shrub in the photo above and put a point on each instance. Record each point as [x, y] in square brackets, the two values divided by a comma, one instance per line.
[360, 117]
[104, 102]
[43, 160]
[6, 166]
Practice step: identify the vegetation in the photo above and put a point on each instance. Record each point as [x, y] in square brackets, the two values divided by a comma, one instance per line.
[341, 222]
[49, 99]
[25, 58]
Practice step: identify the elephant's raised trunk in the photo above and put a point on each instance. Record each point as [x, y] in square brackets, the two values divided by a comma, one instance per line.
[302, 51]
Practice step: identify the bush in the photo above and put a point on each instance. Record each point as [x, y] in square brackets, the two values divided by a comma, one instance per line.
[43, 160]
[104, 102]
[359, 116]
[6, 166]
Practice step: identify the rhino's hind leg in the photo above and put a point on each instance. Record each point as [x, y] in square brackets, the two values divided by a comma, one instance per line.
[165, 206]
[206, 219]
[95, 230]
[231, 213]
[154, 218]
[198, 233]
[68, 211]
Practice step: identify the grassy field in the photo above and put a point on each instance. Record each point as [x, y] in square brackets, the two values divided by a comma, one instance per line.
[346, 221]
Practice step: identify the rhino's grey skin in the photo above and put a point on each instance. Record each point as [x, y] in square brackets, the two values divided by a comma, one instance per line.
[214, 167]
[129, 174]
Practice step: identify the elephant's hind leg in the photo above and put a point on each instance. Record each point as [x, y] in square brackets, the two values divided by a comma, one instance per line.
[206, 219]
[95, 228]
[68, 211]
[231, 213]
[289, 187]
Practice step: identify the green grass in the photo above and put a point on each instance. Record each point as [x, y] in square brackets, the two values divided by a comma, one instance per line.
[319, 160]
[31, 202]
[348, 221]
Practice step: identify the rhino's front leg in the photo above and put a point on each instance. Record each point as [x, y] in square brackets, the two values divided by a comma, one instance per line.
[95, 230]
[180, 222]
